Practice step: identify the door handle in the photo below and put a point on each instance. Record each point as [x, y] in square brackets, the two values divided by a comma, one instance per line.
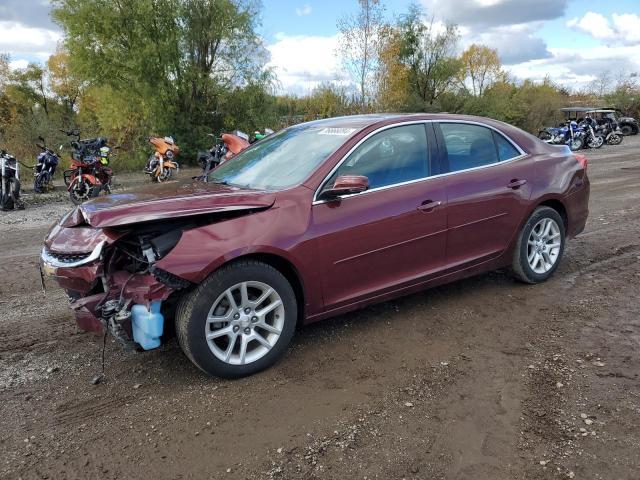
[516, 184]
[429, 206]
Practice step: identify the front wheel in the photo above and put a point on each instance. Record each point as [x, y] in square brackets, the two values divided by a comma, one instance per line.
[596, 141]
[239, 321]
[540, 246]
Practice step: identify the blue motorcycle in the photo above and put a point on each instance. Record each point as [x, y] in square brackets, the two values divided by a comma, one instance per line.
[44, 168]
[567, 134]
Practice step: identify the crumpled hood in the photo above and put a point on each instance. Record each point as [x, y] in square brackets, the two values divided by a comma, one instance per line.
[171, 200]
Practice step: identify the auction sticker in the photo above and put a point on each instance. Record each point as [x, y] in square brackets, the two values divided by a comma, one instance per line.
[342, 132]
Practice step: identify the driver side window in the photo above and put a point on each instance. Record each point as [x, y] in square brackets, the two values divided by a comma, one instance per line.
[396, 155]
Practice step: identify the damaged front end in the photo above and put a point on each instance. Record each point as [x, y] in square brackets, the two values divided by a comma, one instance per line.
[111, 278]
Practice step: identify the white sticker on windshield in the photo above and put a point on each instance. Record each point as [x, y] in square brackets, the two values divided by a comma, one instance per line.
[343, 132]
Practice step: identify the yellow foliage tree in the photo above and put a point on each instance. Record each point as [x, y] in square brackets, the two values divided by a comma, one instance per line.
[392, 76]
[481, 68]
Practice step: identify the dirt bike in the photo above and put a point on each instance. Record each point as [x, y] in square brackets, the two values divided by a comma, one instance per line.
[89, 173]
[10, 182]
[161, 164]
[45, 168]
[225, 147]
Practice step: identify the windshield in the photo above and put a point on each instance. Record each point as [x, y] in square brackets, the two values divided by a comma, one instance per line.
[282, 160]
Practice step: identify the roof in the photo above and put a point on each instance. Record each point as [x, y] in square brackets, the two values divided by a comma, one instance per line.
[579, 109]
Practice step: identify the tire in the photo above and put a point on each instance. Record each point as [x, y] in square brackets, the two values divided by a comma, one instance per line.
[615, 139]
[596, 141]
[544, 135]
[627, 130]
[521, 266]
[194, 309]
[575, 144]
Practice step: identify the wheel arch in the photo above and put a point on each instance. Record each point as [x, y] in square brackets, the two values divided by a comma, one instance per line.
[286, 268]
[559, 207]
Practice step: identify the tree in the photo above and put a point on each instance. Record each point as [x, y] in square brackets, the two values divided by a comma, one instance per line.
[63, 82]
[392, 81]
[428, 50]
[359, 46]
[480, 68]
[173, 60]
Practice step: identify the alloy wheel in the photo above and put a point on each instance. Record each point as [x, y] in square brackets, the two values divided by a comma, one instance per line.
[543, 245]
[245, 322]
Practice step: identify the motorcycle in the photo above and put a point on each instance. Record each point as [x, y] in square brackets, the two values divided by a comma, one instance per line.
[44, 168]
[611, 132]
[566, 134]
[593, 140]
[225, 147]
[10, 180]
[161, 163]
[89, 173]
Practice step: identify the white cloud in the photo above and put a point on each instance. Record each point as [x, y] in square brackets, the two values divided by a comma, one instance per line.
[577, 67]
[18, 64]
[622, 29]
[305, 10]
[30, 42]
[303, 62]
[594, 24]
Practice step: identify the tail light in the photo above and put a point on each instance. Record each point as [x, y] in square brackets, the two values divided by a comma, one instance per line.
[582, 160]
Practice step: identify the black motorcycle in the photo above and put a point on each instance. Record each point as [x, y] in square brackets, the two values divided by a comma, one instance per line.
[10, 180]
[211, 158]
[593, 139]
[610, 131]
[45, 168]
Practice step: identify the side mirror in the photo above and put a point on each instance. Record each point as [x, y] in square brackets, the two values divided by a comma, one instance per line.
[345, 185]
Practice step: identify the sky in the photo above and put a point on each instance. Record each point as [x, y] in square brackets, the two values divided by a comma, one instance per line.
[571, 41]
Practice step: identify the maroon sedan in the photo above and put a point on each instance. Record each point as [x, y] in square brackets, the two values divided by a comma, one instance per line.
[314, 221]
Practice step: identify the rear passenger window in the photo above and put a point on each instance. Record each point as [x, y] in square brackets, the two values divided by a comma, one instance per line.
[506, 150]
[470, 146]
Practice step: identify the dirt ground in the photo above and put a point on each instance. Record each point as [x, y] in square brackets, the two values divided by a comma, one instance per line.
[481, 379]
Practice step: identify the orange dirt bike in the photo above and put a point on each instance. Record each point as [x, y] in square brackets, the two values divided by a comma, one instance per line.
[161, 164]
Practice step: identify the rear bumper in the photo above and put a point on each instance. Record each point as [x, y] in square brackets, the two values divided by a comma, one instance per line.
[577, 205]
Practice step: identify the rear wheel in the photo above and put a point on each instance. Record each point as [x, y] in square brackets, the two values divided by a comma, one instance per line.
[615, 139]
[238, 321]
[540, 246]
[575, 144]
[544, 135]
[627, 130]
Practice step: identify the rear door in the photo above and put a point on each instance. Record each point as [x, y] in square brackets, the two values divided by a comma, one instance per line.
[488, 186]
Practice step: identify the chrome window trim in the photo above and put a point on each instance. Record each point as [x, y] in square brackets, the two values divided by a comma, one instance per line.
[470, 122]
[317, 201]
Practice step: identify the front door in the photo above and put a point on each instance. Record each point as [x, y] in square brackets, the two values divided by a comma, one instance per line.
[391, 235]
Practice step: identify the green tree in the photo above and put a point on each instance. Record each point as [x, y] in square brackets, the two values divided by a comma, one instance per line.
[429, 53]
[175, 61]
